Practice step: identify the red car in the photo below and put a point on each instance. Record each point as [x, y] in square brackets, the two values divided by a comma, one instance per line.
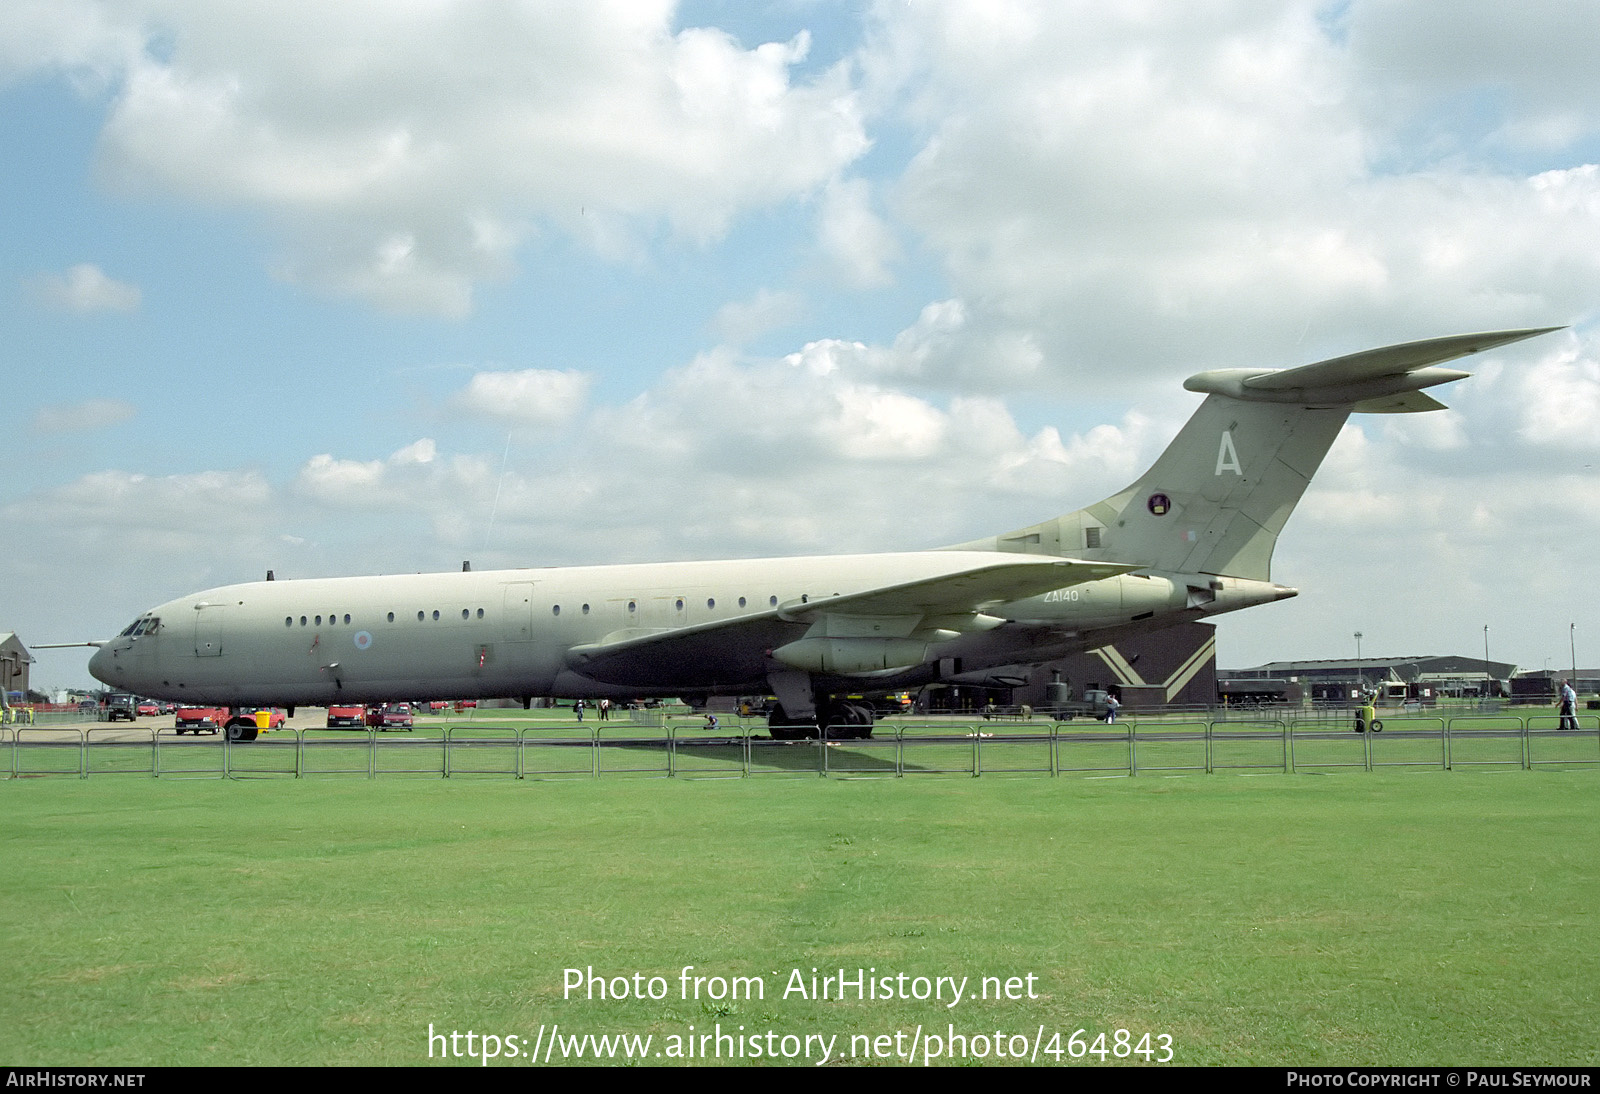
[199, 719]
[349, 716]
[275, 717]
[393, 716]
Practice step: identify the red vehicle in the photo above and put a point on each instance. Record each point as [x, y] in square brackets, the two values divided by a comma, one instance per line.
[241, 725]
[348, 716]
[200, 719]
[393, 716]
[148, 709]
[275, 717]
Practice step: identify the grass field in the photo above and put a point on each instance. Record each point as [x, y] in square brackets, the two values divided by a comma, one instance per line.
[1416, 917]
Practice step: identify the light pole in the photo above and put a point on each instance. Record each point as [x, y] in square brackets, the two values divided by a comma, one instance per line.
[1488, 685]
[1572, 638]
[1361, 677]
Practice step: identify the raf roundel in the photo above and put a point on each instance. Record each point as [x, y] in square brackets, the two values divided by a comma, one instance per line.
[1159, 504]
[363, 639]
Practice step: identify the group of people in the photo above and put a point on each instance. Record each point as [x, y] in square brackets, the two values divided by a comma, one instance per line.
[603, 706]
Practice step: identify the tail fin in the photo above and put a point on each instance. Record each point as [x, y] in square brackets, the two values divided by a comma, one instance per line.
[1216, 499]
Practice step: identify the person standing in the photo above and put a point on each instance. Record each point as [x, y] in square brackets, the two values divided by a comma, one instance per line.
[1569, 706]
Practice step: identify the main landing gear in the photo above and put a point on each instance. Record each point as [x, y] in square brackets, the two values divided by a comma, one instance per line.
[841, 720]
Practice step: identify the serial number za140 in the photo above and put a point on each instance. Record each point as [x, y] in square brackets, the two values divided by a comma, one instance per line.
[1119, 1046]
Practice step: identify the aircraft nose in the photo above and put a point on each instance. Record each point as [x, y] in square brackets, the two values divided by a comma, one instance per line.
[100, 665]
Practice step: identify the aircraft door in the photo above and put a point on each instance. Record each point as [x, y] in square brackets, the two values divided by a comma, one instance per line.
[518, 626]
[208, 627]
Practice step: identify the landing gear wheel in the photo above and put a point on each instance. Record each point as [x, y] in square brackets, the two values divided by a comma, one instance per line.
[240, 730]
[783, 727]
[847, 721]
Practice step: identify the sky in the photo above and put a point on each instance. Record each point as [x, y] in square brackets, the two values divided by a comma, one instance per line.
[380, 286]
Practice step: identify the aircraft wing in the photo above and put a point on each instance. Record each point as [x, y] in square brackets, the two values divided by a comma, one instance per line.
[737, 649]
[958, 593]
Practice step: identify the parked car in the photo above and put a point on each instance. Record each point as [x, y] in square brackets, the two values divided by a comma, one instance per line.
[148, 709]
[347, 716]
[199, 719]
[393, 716]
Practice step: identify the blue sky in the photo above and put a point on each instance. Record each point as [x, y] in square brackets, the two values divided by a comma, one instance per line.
[377, 287]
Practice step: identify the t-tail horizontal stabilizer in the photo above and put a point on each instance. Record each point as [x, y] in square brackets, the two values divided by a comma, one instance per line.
[1376, 381]
[1214, 502]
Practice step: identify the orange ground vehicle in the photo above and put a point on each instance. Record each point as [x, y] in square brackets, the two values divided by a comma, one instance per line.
[347, 716]
[199, 719]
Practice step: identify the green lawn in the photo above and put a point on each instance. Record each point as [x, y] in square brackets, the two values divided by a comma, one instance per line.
[1392, 917]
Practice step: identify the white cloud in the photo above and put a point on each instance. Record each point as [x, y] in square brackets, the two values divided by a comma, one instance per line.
[529, 397]
[943, 348]
[1559, 401]
[89, 42]
[406, 153]
[1134, 196]
[412, 478]
[742, 321]
[85, 289]
[84, 417]
[853, 236]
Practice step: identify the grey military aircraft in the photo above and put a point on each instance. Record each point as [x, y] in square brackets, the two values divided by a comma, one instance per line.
[1192, 538]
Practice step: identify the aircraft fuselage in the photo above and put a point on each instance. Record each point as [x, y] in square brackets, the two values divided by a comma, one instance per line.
[511, 632]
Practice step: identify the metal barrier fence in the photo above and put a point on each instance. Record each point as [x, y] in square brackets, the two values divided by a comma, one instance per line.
[665, 750]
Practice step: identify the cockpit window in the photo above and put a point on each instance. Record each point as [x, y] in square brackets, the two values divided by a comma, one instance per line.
[145, 624]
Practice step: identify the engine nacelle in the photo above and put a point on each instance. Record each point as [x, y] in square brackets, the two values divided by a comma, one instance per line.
[852, 656]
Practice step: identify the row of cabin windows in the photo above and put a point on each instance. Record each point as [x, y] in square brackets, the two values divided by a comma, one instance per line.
[334, 619]
[633, 605]
[466, 613]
